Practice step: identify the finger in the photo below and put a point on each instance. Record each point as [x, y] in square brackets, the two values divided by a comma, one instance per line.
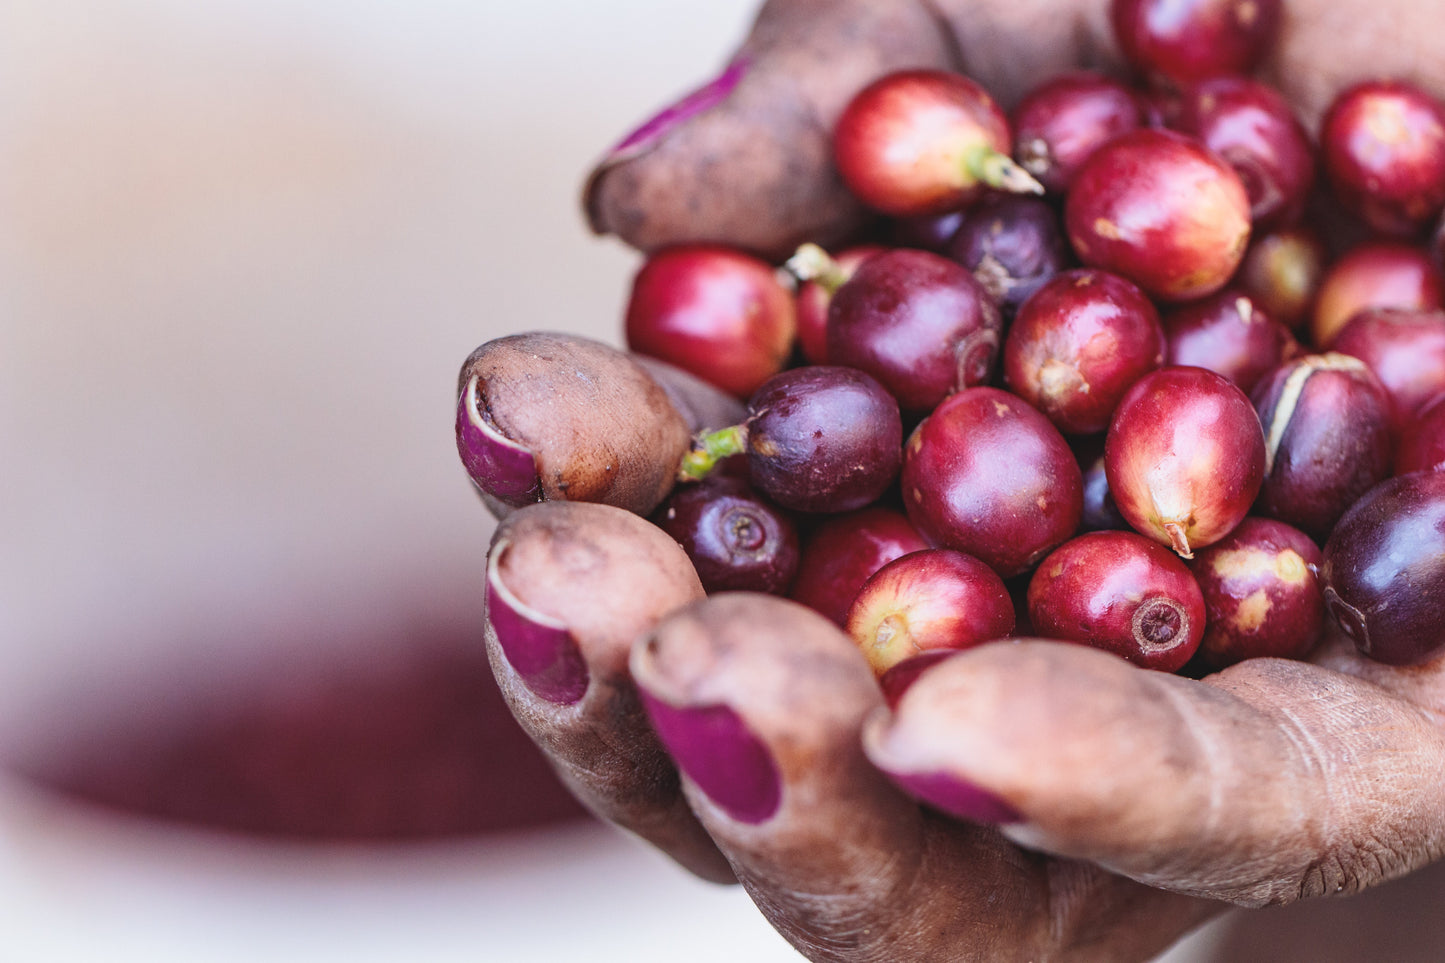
[1327, 45]
[1268, 782]
[569, 586]
[748, 159]
[761, 702]
[543, 415]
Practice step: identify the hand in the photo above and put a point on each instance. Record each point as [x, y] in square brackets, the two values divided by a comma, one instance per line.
[755, 170]
[1143, 803]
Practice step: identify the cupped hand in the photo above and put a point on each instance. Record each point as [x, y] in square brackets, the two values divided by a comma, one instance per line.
[1074, 806]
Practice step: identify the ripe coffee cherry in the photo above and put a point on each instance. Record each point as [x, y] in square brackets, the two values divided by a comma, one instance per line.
[1161, 210]
[1282, 272]
[1186, 40]
[1262, 594]
[1252, 127]
[1405, 350]
[924, 142]
[1327, 439]
[1184, 457]
[1012, 244]
[1122, 593]
[929, 600]
[1422, 444]
[817, 439]
[1065, 119]
[714, 312]
[1384, 572]
[1383, 143]
[919, 323]
[843, 551]
[1229, 334]
[1376, 274]
[1078, 344]
[735, 539]
[986, 474]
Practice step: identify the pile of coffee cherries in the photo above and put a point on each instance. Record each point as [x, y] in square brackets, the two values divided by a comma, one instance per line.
[1137, 366]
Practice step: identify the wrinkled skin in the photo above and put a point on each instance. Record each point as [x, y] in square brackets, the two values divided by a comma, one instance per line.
[1149, 802]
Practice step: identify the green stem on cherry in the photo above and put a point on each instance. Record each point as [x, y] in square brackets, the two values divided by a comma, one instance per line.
[998, 170]
[811, 263]
[711, 448]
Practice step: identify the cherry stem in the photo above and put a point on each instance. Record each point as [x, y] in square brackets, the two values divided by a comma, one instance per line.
[811, 263]
[998, 170]
[1179, 538]
[709, 449]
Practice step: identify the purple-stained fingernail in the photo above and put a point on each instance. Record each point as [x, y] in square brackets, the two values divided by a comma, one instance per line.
[715, 749]
[537, 646]
[502, 468]
[957, 797]
[704, 98]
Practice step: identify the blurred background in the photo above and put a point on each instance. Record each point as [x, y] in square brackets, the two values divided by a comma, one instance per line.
[244, 247]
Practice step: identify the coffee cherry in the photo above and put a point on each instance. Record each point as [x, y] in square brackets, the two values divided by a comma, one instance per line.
[1262, 594]
[986, 474]
[1122, 593]
[714, 312]
[736, 540]
[1383, 144]
[843, 551]
[1186, 40]
[1161, 210]
[1327, 439]
[1384, 572]
[919, 323]
[1078, 344]
[1066, 118]
[1252, 127]
[1184, 457]
[1229, 334]
[923, 142]
[1376, 274]
[929, 600]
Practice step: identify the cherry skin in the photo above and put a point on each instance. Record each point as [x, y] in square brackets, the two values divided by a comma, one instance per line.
[1186, 40]
[920, 142]
[1078, 344]
[934, 599]
[1262, 594]
[1383, 145]
[919, 323]
[1159, 209]
[714, 312]
[1184, 457]
[1120, 592]
[988, 475]
[1066, 118]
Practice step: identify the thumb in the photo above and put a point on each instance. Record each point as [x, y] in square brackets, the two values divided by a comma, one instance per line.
[746, 159]
[1271, 781]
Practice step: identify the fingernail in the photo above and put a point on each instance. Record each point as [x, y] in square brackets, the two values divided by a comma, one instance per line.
[537, 646]
[704, 98]
[500, 466]
[956, 797]
[716, 751]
